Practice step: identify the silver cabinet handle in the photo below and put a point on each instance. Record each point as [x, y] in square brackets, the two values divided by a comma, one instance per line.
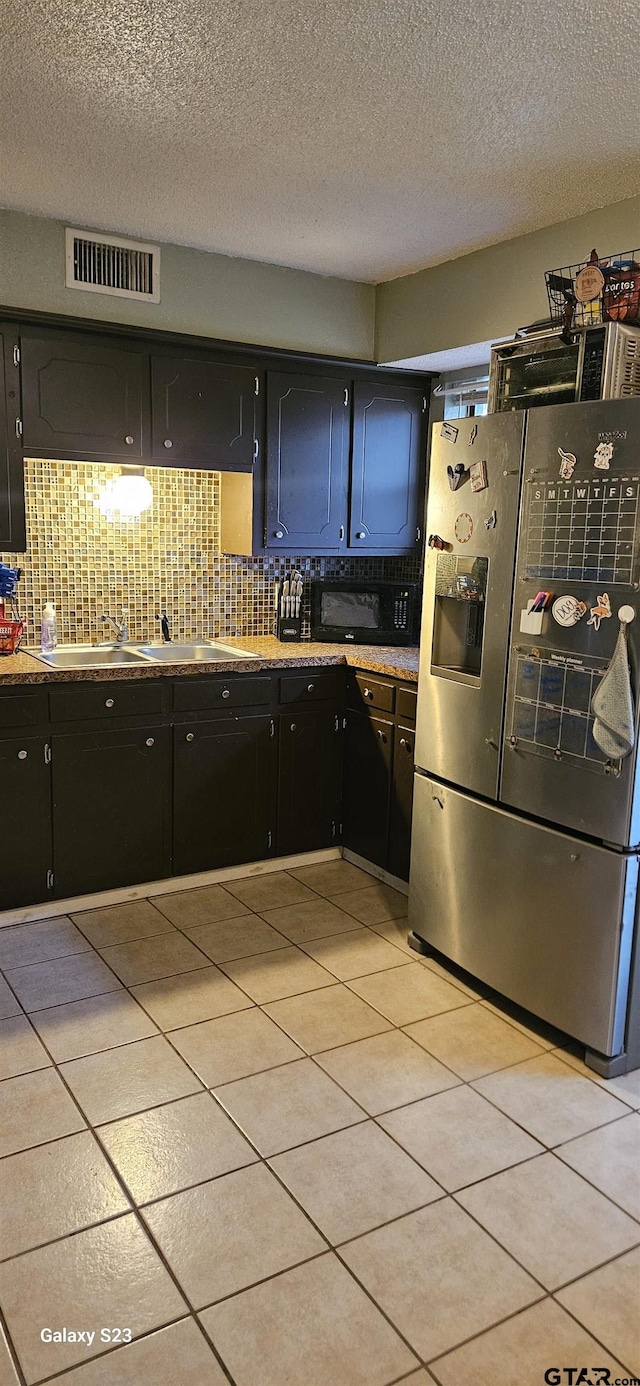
[149, 741]
[22, 755]
[310, 687]
[278, 534]
[226, 693]
[293, 727]
[109, 702]
[361, 534]
[367, 693]
[341, 534]
[381, 735]
[129, 439]
[168, 442]
[189, 736]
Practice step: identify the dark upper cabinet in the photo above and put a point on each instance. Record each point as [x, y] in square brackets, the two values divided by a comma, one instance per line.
[223, 799]
[401, 802]
[83, 397]
[204, 413]
[367, 786]
[309, 779]
[12, 510]
[387, 468]
[25, 840]
[306, 463]
[111, 808]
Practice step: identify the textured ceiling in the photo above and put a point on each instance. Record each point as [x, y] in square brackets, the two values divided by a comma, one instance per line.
[363, 138]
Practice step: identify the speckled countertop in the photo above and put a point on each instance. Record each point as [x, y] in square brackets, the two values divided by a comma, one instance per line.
[399, 662]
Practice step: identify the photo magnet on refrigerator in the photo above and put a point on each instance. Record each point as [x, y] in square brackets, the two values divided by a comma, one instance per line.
[567, 464]
[473, 435]
[449, 430]
[478, 474]
[567, 611]
[600, 611]
[602, 456]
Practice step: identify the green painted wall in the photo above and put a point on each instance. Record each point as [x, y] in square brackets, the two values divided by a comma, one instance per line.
[206, 294]
[492, 292]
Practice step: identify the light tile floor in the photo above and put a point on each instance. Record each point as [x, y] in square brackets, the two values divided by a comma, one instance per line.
[248, 1126]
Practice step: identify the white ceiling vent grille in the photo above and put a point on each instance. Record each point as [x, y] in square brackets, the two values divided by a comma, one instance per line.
[111, 265]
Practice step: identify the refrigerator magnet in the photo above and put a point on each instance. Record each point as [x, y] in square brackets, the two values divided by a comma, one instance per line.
[567, 610]
[492, 520]
[602, 456]
[463, 527]
[435, 541]
[567, 464]
[473, 435]
[457, 475]
[478, 474]
[600, 611]
[449, 430]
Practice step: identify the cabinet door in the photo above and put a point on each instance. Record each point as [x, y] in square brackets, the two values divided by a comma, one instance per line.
[25, 838]
[223, 793]
[367, 786]
[401, 802]
[203, 413]
[309, 780]
[111, 818]
[306, 472]
[387, 469]
[83, 397]
[13, 537]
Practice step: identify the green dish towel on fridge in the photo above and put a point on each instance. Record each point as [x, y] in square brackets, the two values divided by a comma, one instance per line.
[612, 705]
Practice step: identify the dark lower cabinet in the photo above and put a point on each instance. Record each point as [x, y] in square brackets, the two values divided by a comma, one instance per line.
[367, 786]
[223, 800]
[25, 836]
[309, 780]
[401, 802]
[111, 808]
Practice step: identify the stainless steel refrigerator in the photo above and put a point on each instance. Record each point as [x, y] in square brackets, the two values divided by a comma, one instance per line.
[524, 861]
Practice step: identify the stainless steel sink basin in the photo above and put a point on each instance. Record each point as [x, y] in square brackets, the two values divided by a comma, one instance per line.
[173, 653]
[89, 656]
[108, 656]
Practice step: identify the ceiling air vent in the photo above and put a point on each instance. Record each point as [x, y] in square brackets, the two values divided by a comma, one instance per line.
[111, 265]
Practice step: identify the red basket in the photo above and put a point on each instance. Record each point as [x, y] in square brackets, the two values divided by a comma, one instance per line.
[11, 633]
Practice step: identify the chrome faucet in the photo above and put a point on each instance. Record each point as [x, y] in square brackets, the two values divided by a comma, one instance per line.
[120, 627]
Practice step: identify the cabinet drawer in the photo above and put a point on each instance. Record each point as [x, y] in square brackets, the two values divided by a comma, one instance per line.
[309, 688]
[407, 702]
[23, 707]
[105, 700]
[368, 691]
[237, 691]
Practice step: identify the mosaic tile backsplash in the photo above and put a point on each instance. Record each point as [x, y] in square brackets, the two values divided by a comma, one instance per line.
[166, 560]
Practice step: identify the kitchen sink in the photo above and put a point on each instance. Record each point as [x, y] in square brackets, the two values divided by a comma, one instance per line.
[101, 656]
[173, 653]
[89, 656]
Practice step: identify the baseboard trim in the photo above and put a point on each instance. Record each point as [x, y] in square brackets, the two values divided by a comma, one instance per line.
[51, 909]
[402, 886]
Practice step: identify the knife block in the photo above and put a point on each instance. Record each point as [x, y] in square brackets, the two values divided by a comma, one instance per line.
[288, 628]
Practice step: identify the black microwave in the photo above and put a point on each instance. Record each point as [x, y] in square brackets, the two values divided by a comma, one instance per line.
[365, 613]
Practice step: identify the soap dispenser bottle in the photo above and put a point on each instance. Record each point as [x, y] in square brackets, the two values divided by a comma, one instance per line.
[48, 628]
